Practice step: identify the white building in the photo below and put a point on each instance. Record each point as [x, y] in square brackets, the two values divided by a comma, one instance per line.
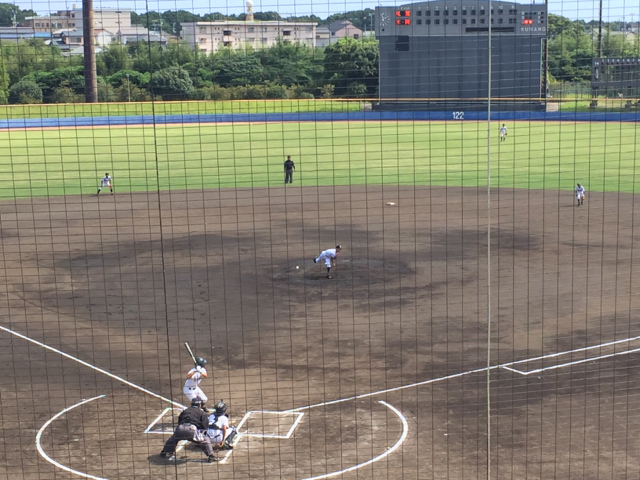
[333, 32]
[212, 36]
[111, 19]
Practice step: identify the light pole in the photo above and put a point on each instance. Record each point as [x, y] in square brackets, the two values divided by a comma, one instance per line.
[128, 89]
[90, 75]
[600, 31]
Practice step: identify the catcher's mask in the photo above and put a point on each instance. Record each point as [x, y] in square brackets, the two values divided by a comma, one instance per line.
[220, 407]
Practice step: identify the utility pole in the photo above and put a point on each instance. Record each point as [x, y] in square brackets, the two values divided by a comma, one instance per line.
[600, 32]
[90, 72]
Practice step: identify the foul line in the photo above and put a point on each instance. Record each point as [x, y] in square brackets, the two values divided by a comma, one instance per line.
[47, 423]
[505, 366]
[388, 390]
[583, 349]
[575, 362]
[93, 367]
[405, 431]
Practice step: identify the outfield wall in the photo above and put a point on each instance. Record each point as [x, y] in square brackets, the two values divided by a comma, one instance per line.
[316, 117]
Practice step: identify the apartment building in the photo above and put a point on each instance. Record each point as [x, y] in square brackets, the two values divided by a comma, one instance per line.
[212, 36]
[112, 19]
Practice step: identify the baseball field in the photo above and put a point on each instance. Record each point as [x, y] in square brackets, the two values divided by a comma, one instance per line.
[460, 337]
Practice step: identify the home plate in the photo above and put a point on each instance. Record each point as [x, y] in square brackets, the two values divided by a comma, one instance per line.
[391, 203]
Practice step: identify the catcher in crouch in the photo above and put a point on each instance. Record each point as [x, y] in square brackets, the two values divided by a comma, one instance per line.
[220, 431]
[329, 256]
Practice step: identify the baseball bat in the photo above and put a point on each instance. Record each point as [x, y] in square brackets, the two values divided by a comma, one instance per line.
[191, 353]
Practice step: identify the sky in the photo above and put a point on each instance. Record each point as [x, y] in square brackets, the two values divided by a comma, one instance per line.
[613, 10]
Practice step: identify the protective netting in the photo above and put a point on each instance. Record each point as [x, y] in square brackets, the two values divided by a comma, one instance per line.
[403, 238]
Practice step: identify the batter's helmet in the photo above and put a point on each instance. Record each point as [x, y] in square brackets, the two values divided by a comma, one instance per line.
[197, 402]
[221, 408]
[201, 362]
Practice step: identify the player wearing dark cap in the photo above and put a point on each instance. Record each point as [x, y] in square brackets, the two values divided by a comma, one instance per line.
[289, 168]
[192, 422]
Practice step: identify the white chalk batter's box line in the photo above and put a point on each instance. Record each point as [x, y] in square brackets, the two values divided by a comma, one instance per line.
[509, 366]
[158, 418]
[245, 418]
[248, 415]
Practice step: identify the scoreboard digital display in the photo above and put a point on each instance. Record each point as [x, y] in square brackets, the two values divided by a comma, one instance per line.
[529, 17]
[405, 14]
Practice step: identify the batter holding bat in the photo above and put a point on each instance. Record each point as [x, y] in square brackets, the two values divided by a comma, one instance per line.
[194, 377]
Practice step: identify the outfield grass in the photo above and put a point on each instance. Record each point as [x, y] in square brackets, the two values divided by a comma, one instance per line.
[176, 108]
[604, 105]
[549, 155]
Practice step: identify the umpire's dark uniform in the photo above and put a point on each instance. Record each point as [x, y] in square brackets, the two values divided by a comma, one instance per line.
[190, 422]
[289, 167]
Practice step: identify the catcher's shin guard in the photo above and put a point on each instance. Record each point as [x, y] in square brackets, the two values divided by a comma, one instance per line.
[228, 443]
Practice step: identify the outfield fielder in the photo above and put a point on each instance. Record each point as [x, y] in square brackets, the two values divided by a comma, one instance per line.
[106, 182]
[580, 191]
[329, 256]
[503, 133]
[194, 377]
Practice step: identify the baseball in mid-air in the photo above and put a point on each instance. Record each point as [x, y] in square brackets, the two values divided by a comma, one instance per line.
[297, 267]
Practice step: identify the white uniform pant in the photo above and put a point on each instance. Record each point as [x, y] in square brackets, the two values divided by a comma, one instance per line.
[327, 261]
[215, 434]
[579, 196]
[193, 392]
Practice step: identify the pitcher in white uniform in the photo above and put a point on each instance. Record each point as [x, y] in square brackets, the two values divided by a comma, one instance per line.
[329, 256]
[194, 377]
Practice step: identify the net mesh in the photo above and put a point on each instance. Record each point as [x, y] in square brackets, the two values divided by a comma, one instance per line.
[440, 285]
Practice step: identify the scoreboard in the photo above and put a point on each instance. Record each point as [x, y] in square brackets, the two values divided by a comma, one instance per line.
[455, 17]
[439, 49]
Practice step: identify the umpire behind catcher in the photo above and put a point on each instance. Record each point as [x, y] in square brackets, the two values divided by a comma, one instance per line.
[191, 423]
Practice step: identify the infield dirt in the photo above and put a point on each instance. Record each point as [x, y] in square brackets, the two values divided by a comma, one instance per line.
[122, 282]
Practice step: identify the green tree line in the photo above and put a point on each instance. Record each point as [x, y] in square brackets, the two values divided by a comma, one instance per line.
[572, 46]
[32, 72]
